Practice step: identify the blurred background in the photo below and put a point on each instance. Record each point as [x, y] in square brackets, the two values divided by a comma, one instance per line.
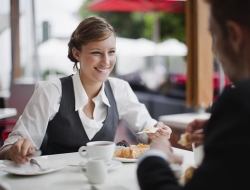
[139, 58]
[151, 51]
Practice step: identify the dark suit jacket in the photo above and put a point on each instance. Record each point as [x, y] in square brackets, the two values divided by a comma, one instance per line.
[226, 164]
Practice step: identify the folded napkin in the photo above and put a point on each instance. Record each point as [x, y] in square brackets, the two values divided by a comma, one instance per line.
[148, 130]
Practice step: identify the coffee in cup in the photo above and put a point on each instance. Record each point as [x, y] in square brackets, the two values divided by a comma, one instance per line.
[99, 149]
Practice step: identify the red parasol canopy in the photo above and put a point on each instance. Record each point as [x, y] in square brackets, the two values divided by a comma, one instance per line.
[168, 6]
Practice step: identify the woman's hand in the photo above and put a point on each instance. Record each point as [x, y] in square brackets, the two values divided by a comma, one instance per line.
[163, 132]
[19, 150]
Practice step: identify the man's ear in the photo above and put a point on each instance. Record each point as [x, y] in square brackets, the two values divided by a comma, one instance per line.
[235, 35]
[75, 53]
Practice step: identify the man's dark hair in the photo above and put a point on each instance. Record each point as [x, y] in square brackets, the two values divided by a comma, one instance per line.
[235, 10]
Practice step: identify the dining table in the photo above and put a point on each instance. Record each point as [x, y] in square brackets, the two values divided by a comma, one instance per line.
[7, 112]
[4, 93]
[73, 177]
[180, 121]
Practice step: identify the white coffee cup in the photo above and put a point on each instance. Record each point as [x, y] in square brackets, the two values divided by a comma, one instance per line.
[198, 154]
[96, 170]
[99, 149]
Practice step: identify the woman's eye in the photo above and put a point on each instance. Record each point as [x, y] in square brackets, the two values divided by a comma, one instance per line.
[113, 51]
[95, 52]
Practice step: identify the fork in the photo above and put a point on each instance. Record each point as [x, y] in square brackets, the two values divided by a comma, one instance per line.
[94, 187]
[33, 161]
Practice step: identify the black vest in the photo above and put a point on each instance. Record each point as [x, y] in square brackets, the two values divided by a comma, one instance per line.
[65, 132]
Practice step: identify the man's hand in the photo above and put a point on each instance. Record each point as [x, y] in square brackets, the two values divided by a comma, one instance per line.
[196, 128]
[163, 132]
[164, 145]
[19, 150]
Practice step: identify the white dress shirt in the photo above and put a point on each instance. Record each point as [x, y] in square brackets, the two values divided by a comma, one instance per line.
[45, 102]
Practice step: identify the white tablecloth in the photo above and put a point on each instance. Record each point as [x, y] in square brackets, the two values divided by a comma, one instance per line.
[73, 178]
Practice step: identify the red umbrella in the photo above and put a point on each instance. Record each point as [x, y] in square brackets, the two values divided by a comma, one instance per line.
[169, 6]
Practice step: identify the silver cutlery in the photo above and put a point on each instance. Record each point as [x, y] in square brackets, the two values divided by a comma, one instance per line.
[76, 165]
[82, 165]
[33, 161]
[94, 187]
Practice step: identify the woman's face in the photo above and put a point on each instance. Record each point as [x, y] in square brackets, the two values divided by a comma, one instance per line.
[97, 59]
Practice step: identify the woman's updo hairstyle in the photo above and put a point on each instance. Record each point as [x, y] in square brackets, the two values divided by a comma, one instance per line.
[89, 30]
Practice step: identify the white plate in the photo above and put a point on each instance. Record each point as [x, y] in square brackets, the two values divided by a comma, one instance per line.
[124, 159]
[114, 164]
[32, 169]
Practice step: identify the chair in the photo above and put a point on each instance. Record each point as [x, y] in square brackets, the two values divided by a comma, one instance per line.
[19, 97]
[5, 134]
[6, 131]
[4, 123]
[20, 93]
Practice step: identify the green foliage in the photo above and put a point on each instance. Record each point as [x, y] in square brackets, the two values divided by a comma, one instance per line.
[83, 12]
[125, 24]
[149, 21]
[173, 26]
[48, 72]
[140, 25]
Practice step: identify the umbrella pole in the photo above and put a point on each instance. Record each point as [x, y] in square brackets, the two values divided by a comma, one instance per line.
[36, 67]
[156, 37]
[156, 27]
[15, 41]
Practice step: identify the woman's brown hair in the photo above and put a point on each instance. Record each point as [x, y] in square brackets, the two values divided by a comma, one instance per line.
[89, 30]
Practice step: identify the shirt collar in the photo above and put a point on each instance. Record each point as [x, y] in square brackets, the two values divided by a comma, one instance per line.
[81, 97]
[103, 95]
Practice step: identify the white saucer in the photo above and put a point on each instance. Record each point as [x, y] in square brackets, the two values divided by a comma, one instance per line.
[114, 164]
[124, 159]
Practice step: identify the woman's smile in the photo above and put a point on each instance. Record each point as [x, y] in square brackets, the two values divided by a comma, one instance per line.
[102, 70]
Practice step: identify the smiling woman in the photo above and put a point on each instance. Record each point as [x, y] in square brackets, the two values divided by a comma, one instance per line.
[93, 45]
[65, 114]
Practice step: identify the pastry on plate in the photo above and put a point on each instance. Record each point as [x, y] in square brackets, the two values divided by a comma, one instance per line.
[140, 145]
[148, 130]
[133, 151]
[184, 140]
[188, 174]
